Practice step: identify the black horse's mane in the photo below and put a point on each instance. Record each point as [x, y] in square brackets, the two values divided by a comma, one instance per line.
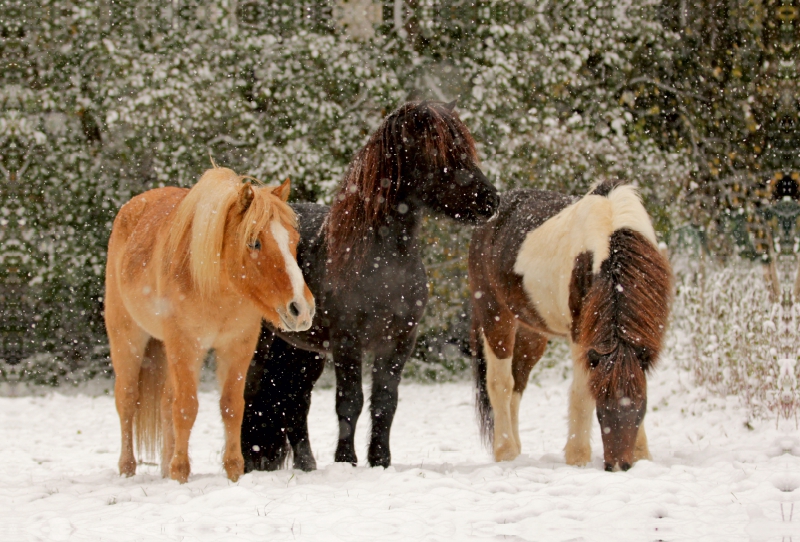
[427, 132]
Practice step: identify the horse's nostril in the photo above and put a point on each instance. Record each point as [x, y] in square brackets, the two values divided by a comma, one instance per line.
[294, 309]
[609, 467]
[625, 466]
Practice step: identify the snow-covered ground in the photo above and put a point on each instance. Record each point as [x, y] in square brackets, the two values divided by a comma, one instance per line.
[711, 478]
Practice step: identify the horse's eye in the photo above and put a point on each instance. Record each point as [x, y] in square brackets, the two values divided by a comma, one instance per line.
[255, 245]
[594, 358]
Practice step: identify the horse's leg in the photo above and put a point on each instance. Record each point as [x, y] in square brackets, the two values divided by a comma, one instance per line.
[233, 360]
[498, 347]
[528, 349]
[167, 429]
[127, 344]
[578, 450]
[386, 372]
[349, 395]
[184, 357]
[640, 450]
[264, 444]
[306, 368]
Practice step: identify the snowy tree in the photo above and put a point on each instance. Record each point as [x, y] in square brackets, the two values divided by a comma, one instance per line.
[548, 91]
[695, 103]
[729, 99]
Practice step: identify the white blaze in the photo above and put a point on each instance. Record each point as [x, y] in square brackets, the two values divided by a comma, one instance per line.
[281, 237]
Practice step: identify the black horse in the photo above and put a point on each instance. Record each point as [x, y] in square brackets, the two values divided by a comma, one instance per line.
[361, 259]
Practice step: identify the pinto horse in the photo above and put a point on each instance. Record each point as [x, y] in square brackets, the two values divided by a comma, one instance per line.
[589, 270]
[189, 271]
[362, 260]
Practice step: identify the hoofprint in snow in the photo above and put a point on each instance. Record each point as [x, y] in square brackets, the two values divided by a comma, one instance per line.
[712, 477]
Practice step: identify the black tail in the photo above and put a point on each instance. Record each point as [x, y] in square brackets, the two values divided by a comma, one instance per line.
[482, 402]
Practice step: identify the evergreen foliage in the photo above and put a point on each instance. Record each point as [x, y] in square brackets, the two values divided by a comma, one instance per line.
[103, 99]
[729, 100]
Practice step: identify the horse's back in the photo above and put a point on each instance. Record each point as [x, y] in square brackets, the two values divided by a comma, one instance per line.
[147, 210]
[521, 211]
[538, 236]
[137, 231]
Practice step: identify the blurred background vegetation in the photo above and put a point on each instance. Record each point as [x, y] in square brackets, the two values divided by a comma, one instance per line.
[695, 102]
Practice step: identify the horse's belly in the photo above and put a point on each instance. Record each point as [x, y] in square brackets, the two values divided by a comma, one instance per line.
[148, 311]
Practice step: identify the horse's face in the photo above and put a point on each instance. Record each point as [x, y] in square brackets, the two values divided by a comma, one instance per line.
[620, 418]
[460, 191]
[266, 270]
[620, 406]
[437, 163]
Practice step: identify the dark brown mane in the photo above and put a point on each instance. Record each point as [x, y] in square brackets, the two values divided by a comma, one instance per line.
[624, 316]
[416, 135]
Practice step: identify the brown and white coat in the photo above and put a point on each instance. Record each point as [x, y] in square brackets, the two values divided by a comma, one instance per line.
[585, 269]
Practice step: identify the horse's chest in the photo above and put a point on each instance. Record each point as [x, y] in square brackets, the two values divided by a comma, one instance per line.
[383, 301]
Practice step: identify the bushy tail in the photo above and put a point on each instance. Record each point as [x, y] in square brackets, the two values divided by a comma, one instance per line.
[147, 421]
[482, 402]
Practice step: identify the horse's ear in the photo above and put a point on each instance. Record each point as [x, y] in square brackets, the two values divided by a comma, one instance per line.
[283, 190]
[246, 196]
[452, 105]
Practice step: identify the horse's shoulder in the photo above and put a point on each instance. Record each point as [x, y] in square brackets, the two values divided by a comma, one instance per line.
[132, 212]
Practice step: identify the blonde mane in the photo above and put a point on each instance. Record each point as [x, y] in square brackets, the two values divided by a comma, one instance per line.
[198, 229]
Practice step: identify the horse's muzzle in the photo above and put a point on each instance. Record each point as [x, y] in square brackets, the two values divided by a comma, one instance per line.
[297, 315]
[488, 210]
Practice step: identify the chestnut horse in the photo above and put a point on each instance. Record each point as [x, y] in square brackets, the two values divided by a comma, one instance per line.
[362, 259]
[189, 271]
[588, 270]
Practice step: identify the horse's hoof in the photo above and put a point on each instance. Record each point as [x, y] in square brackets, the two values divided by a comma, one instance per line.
[127, 468]
[380, 460]
[234, 468]
[179, 470]
[305, 464]
[303, 456]
[506, 452]
[345, 456]
[304, 459]
[577, 456]
[379, 456]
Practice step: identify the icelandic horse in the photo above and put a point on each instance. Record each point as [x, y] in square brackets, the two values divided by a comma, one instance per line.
[588, 270]
[189, 271]
[362, 259]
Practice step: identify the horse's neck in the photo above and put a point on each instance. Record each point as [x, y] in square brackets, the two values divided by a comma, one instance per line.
[397, 235]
